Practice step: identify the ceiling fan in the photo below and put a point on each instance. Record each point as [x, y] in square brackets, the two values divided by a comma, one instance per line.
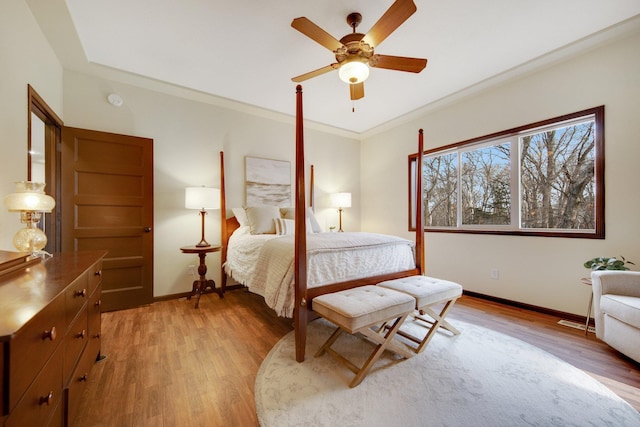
[355, 52]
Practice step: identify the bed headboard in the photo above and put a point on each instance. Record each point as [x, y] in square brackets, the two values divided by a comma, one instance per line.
[231, 224]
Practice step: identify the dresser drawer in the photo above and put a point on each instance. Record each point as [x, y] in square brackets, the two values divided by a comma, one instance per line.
[4, 379]
[74, 343]
[95, 276]
[32, 345]
[76, 296]
[77, 384]
[57, 419]
[42, 398]
[94, 311]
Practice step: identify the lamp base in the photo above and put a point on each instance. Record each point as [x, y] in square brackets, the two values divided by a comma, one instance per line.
[30, 239]
[203, 244]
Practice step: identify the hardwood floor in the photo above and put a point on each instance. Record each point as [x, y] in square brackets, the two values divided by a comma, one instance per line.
[169, 364]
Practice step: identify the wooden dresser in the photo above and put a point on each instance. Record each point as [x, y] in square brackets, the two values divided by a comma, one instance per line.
[50, 335]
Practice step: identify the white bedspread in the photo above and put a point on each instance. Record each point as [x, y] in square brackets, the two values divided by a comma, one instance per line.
[265, 263]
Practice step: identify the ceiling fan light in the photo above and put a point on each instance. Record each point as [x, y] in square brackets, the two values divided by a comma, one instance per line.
[353, 72]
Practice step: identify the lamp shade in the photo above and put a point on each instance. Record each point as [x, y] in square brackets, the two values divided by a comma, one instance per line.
[353, 72]
[341, 200]
[202, 198]
[29, 196]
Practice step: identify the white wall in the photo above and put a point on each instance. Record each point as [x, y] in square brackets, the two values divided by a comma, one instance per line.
[188, 136]
[534, 270]
[25, 58]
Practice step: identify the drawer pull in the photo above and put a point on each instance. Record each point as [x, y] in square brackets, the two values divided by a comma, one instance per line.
[46, 399]
[97, 336]
[98, 273]
[84, 377]
[50, 334]
[82, 293]
[98, 303]
[81, 334]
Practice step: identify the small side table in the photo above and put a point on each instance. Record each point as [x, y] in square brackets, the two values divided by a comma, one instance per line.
[587, 281]
[201, 284]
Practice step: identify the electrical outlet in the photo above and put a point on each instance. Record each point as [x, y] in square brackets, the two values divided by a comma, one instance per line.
[191, 270]
[494, 274]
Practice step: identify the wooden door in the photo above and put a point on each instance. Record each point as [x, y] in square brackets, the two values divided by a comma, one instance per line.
[107, 203]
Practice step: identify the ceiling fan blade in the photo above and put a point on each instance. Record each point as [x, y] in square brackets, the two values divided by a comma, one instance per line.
[315, 73]
[399, 63]
[357, 91]
[399, 12]
[316, 33]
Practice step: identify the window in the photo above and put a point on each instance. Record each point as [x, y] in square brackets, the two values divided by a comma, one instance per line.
[546, 178]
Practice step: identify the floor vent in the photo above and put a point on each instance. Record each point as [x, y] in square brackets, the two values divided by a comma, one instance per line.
[576, 325]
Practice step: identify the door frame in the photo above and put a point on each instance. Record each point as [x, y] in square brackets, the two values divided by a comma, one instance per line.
[52, 142]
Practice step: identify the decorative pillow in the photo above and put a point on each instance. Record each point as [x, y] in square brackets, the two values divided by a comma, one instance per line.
[312, 223]
[315, 225]
[260, 219]
[288, 213]
[284, 226]
[241, 216]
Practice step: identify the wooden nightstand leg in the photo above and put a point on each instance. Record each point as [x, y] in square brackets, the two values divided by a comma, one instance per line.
[194, 288]
[202, 283]
[212, 284]
[198, 293]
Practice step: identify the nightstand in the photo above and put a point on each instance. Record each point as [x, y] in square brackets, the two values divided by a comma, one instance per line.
[201, 284]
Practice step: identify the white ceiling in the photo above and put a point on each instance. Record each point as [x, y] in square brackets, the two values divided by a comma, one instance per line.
[246, 50]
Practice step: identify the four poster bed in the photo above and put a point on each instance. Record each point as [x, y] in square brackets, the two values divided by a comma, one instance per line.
[301, 274]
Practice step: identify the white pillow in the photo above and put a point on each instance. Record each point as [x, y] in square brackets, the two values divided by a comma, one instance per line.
[313, 226]
[289, 213]
[241, 216]
[260, 219]
[284, 226]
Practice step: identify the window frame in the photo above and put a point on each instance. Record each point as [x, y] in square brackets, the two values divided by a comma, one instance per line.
[515, 228]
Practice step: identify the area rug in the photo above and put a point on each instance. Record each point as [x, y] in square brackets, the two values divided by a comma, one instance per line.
[478, 378]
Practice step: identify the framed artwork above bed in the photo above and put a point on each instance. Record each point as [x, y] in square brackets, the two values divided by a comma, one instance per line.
[267, 182]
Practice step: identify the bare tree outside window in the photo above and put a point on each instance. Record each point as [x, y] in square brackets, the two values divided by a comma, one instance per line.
[486, 195]
[557, 178]
[541, 179]
[440, 184]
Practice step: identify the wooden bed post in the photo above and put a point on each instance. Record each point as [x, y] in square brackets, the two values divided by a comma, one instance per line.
[300, 313]
[311, 189]
[419, 206]
[223, 226]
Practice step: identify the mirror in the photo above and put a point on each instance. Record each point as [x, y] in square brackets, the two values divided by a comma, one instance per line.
[43, 136]
[37, 154]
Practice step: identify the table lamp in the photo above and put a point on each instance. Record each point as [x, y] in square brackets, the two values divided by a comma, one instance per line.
[203, 199]
[340, 201]
[30, 200]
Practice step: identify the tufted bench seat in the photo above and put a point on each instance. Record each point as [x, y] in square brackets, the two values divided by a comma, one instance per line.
[359, 310]
[427, 291]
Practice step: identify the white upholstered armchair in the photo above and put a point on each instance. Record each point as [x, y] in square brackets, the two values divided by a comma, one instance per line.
[616, 308]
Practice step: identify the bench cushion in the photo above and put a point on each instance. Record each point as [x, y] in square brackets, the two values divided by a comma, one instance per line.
[354, 309]
[426, 290]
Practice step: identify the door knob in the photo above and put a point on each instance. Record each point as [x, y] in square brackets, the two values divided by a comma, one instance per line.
[147, 229]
